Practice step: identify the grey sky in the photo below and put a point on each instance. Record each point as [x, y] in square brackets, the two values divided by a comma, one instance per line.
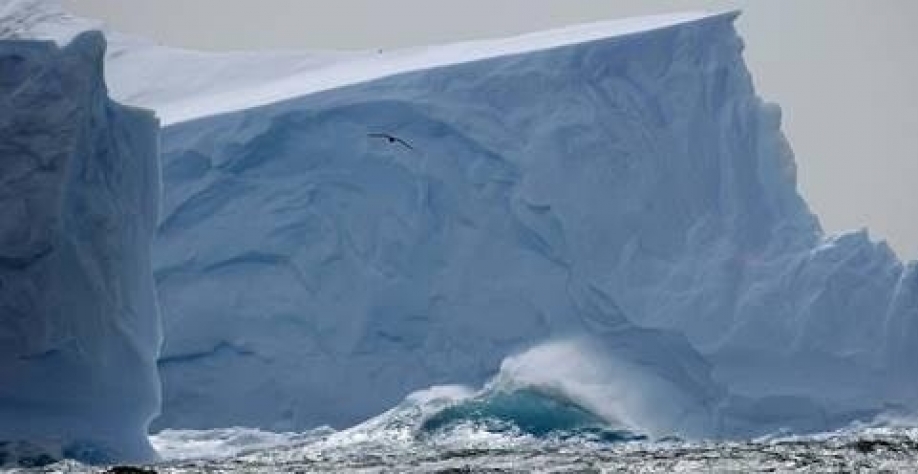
[844, 71]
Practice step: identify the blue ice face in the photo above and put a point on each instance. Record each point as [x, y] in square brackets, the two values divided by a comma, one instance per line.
[79, 325]
[321, 257]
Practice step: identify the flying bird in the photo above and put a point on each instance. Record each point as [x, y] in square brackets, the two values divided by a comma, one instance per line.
[391, 139]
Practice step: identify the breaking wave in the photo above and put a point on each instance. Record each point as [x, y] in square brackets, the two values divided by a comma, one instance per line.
[575, 395]
[525, 411]
[588, 388]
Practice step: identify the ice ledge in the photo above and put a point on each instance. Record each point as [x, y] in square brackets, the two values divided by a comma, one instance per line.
[366, 69]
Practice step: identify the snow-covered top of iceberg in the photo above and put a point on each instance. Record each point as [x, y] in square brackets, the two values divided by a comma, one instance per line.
[41, 19]
[198, 84]
[367, 67]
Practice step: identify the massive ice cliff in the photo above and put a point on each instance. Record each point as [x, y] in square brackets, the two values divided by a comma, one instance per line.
[79, 325]
[315, 271]
[616, 195]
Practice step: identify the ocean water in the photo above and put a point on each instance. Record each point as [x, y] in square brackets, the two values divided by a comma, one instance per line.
[514, 432]
[471, 449]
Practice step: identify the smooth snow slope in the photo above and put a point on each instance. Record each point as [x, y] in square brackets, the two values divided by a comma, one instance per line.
[250, 90]
[79, 326]
[144, 73]
[315, 273]
[184, 84]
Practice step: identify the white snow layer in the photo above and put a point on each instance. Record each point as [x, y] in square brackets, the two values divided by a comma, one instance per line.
[336, 236]
[184, 84]
[79, 327]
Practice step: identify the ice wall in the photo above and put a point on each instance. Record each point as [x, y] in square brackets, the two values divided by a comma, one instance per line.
[323, 256]
[79, 324]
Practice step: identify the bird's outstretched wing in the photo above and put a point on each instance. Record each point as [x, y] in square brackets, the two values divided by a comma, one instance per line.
[391, 139]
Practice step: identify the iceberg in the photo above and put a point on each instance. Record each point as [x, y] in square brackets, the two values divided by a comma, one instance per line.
[325, 252]
[79, 325]
[342, 230]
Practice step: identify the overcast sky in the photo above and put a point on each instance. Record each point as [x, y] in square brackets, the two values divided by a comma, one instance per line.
[844, 71]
